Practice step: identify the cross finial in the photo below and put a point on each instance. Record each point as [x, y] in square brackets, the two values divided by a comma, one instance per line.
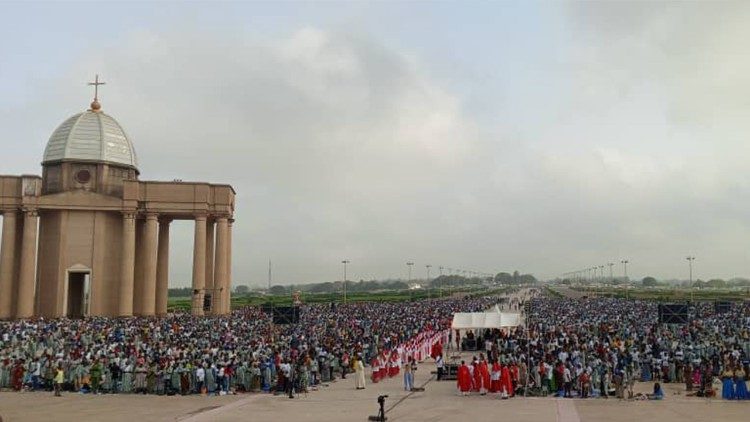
[95, 106]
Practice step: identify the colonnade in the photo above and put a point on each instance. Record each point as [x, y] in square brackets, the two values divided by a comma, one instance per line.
[143, 269]
[145, 264]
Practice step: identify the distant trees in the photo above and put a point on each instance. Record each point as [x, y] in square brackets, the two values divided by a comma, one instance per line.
[180, 292]
[242, 289]
[278, 290]
[649, 282]
[716, 283]
[515, 278]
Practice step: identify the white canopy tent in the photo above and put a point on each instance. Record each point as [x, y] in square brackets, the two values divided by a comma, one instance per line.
[477, 320]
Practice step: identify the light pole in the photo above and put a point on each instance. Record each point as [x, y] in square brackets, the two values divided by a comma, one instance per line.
[440, 289]
[624, 263]
[409, 265]
[428, 266]
[601, 270]
[611, 279]
[346, 261]
[690, 260]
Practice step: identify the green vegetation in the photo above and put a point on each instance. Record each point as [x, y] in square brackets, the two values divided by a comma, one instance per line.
[664, 293]
[255, 299]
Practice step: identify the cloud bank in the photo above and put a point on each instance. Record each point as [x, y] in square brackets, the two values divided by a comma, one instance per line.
[625, 140]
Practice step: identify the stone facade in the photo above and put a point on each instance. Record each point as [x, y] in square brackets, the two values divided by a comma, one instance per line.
[89, 238]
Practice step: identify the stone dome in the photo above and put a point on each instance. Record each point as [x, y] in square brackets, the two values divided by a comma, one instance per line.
[91, 136]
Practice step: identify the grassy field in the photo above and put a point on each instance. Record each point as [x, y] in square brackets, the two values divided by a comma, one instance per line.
[382, 296]
[668, 294]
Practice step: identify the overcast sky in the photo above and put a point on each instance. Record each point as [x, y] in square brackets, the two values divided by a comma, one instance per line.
[490, 136]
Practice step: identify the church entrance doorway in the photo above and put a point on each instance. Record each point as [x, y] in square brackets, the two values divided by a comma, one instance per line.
[78, 294]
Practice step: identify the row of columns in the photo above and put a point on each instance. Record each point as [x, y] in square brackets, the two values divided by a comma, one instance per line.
[211, 264]
[18, 273]
[145, 293]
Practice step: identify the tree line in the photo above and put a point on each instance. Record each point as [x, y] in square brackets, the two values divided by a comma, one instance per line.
[443, 281]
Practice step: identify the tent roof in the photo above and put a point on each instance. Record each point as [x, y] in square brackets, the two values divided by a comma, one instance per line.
[466, 320]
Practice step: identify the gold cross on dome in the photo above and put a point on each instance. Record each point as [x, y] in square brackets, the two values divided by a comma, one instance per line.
[96, 84]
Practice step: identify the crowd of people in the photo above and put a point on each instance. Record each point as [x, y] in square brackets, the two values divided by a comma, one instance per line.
[589, 347]
[240, 352]
[599, 347]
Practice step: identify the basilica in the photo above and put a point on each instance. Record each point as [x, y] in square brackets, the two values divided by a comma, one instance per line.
[89, 237]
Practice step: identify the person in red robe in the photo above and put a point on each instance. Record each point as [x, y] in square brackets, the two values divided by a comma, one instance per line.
[495, 377]
[475, 377]
[464, 379]
[506, 385]
[437, 350]
[484, 376]
[17, 376]
[383, 371]
[393, 365]
[396, 362]
[375, 366]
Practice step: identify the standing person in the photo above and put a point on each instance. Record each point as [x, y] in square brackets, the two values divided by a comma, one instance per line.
[567, 381]
[585, 381]
[344, 364]
[740, 386]
[96, 376]
[409, 374]
[200, 378]
[375, 365]
[495, 377]
[506, 385]
[727, 384]
[220, 381]
[58, 380]
[463, 379]
[359, 372]
[439, 364]
[484, 375]
[688, 377]
[36, 374]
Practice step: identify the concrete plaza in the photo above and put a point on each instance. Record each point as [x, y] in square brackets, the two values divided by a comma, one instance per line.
[339, 401]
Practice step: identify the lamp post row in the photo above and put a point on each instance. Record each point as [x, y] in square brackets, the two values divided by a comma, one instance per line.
[590, 273]
[428, 267]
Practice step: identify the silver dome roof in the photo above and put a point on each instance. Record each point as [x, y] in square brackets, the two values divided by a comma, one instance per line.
[91, 136]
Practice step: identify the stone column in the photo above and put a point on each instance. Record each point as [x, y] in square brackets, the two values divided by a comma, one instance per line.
[27, 273]
[220, 271]
[199, 264]
[162, 268]
[149, 265]
[228, 301]
[127, 265]
[215, 298]
[7, 263]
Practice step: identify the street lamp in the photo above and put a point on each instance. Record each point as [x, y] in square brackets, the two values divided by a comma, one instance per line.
[428, 266]
[440, 289]
[346, 261]
[409, 265]
[690, 260]
[624, 263]
[611, 279]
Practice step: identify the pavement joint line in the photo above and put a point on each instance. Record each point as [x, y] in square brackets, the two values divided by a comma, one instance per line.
[432, 377]
[565, 411]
